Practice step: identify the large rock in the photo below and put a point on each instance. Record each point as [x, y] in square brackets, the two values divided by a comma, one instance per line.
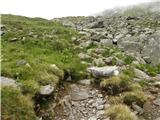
[8, 82]
[46, 90]
[103, 71]
[142, 75]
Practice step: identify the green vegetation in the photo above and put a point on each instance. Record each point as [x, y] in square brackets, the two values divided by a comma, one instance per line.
[135, 87]
[128, 59]
[115, 100]
[136, 97]
[31, 46]
[149, 69]
[116, 84]
[35, 52]
[120, 112]
[15, 106]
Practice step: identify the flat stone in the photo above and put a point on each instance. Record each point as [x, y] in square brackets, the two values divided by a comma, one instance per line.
[157, 102]
[141, 75]
[79, 96]
[7, 82]
[100, 107]
[46, 90]
[85, 82]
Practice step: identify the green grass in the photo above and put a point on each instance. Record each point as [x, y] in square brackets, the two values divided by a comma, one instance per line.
[149, 69]
[41, 45]
[137, 97]
[120, 112]
[52, 45]
[15, 106]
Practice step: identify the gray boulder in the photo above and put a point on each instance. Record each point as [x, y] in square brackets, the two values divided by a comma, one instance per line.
[104, 71]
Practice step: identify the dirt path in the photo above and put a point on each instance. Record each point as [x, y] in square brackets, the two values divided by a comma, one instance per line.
[80, 102]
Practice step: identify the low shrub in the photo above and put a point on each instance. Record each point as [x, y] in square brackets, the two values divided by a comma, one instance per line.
[120, 112]
[116, 84]
[135, 87]
[115, 100]
[137, 97]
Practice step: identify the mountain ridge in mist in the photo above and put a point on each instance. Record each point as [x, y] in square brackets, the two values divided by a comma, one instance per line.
[139, 9]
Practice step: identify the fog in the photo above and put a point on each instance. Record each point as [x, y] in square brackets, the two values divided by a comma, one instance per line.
[61, 8]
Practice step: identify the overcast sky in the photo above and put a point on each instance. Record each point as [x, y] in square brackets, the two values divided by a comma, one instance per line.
[60, 8]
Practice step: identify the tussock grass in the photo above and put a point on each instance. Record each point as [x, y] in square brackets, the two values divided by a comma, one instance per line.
[120, 112]
[137, 97]
[15, 106]
[116, 84]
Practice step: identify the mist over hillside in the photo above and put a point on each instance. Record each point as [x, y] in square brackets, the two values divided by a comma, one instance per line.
[140, 9]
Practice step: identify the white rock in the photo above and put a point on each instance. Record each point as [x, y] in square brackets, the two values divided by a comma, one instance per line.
[7, 82]
[46, 90]
[103, 71]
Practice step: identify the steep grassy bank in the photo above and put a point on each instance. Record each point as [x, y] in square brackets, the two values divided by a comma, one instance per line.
[30, 48]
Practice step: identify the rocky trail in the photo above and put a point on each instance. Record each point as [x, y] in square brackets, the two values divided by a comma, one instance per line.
[81, 101]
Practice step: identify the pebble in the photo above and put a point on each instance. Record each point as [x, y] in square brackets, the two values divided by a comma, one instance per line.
[101, 112]
[101, 107]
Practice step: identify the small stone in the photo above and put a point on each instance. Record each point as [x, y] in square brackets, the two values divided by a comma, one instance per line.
[46, 90]
[90, 101]
[83, 56]
[14, 39]
[21, 62]
[101, 112]
[100, 107]
[157, 84]
[100, 95]
[93, 118]
[157, 102]
[85, 82]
